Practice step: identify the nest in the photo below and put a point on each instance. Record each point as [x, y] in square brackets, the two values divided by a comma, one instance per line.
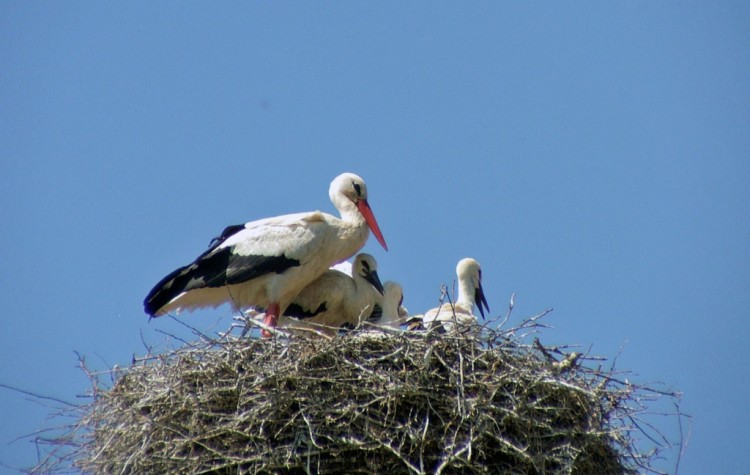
[407, 402]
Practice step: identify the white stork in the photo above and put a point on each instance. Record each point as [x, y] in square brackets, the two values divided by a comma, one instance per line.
[266, 263]
[389, 311]
[460, 313]
[336, 299]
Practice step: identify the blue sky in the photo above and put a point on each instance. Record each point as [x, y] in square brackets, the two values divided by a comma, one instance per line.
[594, 158]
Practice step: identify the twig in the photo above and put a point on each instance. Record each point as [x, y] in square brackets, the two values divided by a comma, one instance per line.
[511, 304]
[37, 396]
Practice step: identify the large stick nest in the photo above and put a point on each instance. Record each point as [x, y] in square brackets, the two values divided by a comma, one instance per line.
[407, 402]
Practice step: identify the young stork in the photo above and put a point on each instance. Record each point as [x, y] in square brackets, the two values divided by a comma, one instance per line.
[460, 314]
[389, 311]
[335, 299]
[266, 263]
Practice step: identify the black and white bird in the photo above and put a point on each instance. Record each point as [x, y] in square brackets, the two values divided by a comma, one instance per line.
[266, 263]
[336, 299]
[389, 310]
[460, 314]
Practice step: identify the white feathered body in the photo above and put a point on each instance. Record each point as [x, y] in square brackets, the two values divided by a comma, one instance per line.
[266, 263]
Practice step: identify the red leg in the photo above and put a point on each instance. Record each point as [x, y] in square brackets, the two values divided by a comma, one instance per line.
[271, 320]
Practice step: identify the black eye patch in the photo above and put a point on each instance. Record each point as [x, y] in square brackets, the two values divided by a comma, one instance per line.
[357, 188]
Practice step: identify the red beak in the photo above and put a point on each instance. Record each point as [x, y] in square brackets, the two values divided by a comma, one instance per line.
[366, 212]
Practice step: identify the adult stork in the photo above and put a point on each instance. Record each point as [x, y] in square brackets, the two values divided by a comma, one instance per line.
[460, 314]
[336, 299]
[265, 263]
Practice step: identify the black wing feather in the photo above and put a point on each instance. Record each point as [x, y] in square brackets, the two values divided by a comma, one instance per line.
[215, 268]
[295, 310]
[228, 232]
[377, 313]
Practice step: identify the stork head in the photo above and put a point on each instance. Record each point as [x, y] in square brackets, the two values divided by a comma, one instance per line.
[352, 188]
[469, 274]
[366, 267]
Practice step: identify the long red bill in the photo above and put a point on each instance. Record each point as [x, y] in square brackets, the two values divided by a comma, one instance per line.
[364, 208]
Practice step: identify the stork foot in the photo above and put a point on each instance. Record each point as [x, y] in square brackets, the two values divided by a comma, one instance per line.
[271, 319]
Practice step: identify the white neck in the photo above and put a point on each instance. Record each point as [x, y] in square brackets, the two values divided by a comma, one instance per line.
[466, 292]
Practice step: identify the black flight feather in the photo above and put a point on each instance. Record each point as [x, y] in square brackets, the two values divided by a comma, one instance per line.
[215, 268]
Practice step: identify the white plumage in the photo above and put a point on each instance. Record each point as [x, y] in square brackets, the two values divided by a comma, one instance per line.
[336, 299]
[460, 314]
[266, 263]
[392, 313]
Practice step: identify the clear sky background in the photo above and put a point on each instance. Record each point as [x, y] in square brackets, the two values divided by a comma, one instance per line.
[594, 158]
